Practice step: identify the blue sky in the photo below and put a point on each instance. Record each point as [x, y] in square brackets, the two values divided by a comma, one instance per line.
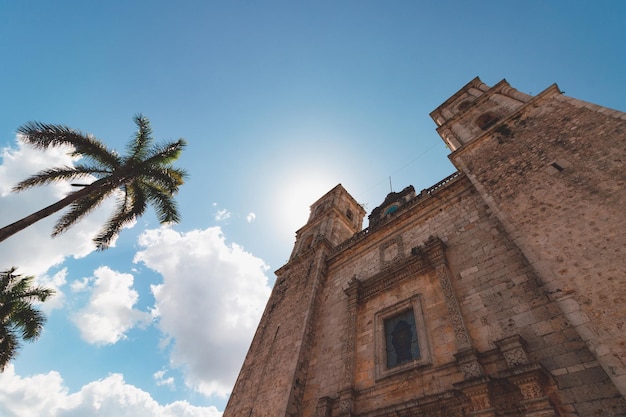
[279, 102]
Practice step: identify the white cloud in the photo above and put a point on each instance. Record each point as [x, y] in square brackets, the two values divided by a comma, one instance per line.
[45, 395]
[110, 313]
[160, 379]
[54, 282]
[250, 217]
[211, 300]
[222, 215]
[32, 249]
[80, 285]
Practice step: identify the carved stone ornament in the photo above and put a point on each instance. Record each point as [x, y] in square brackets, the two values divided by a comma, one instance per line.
[434, 250]
[480, 402]
[323, 408]
[515, 357]
[532, 385]
[346, 398]
[352, 293]
[513, 349]
[458, 325]
[531, 390]
[391, 251]
[406, 268]
[345, 406]
[468, 364]
[471, 369]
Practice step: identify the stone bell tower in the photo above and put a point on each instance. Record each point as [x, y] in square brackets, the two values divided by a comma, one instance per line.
[273, 375]
[552, 169]
[474, 109]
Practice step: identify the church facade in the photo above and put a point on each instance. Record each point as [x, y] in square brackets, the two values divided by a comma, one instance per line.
[499, 291]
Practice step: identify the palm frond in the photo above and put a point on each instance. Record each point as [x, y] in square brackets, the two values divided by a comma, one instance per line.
[38, 294]
[65, 173]
[96, 171]
[44, 135]
[9, 345]
[164, 205]
[28, 321]
[18, 284]
[17, 315]
[132, 205]
[139, 147]
[80, 208]
[6, 277]
[165, 153]
[167, 178]
[20, 287]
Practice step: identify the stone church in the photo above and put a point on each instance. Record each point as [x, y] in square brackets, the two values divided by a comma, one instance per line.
[499, 291]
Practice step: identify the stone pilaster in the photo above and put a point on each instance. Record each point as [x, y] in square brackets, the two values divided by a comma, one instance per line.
[434, 249]
[346, 396]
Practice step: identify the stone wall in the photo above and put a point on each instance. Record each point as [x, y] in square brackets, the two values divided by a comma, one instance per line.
[555, 174]
[498, 294]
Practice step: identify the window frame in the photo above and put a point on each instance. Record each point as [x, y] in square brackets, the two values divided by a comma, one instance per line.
[486, 120]
[381, 369]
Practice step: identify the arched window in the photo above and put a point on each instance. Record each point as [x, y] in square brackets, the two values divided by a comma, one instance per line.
[391, 209]
[464, 105]
[485, 121]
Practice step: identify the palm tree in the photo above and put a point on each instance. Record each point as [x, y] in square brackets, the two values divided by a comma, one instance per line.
[18, 318]
[145, 176]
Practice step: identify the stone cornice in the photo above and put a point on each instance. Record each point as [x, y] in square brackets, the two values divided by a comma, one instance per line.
[422, 200]
[422, 259]
[378, 283]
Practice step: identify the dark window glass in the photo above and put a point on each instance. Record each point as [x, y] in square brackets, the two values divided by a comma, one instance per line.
[391, 209]
[401, 339]
[465, 105]
[487, 120]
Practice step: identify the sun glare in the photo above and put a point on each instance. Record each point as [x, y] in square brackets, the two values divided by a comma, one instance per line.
[298, 194]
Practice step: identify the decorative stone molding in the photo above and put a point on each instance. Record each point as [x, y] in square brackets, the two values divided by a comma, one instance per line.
[480, 400]
[397, 272]
[434, 250]
[531, 390]
[532, 385]
[515, 357]
[451, 403]
[471, 369]
[513, 350]
[348, 352]
[468, 363]
[522, 389]
[324, 407]
[391, 251]
[345, 403]
[479, 394]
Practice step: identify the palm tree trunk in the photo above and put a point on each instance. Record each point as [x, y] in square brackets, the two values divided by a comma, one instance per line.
[8, 231]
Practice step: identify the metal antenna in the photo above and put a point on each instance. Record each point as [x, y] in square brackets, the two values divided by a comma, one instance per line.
[390, 187]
